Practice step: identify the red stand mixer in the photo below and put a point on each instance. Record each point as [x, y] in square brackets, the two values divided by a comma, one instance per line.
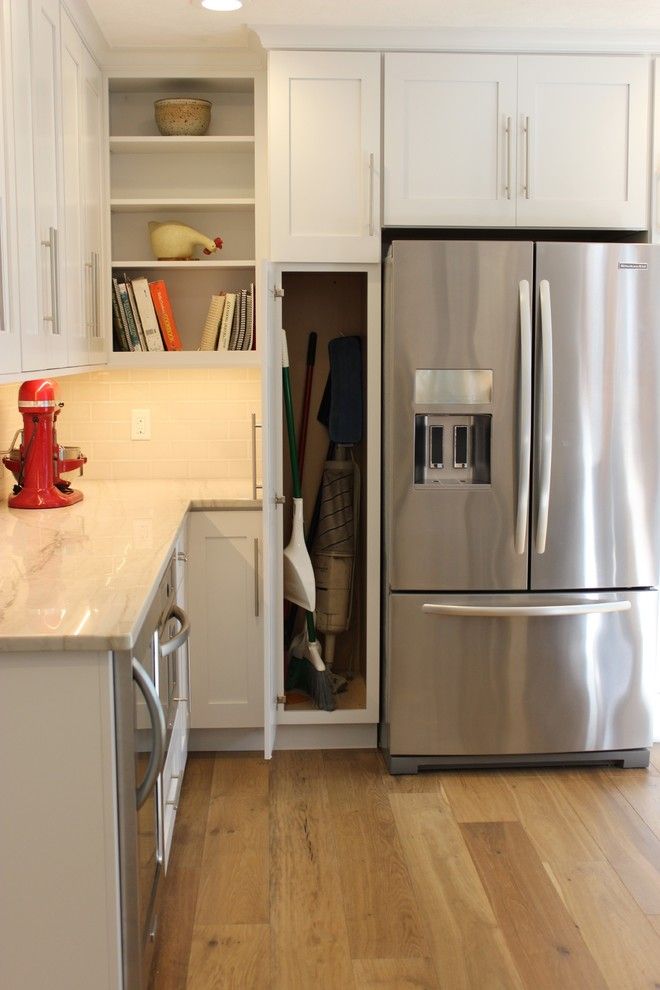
[39, 461]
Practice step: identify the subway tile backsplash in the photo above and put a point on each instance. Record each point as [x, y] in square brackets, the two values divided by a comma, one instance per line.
[200, 422]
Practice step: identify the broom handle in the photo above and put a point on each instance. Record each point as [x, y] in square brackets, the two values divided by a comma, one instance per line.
[290, 425]
[309, 375]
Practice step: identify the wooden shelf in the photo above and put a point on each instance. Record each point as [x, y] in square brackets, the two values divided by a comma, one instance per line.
[246, 264]
[139, 205]
[184, 359]
[354, 697]
[184, 144]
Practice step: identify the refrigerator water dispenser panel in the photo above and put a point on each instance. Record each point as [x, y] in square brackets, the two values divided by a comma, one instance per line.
[452, 450]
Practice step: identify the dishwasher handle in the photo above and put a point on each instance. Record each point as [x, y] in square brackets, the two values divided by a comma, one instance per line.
[158, 732]
[171, 645]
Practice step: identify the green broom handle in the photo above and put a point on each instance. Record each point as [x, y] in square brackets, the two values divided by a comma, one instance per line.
[290, 424]
[291, 431]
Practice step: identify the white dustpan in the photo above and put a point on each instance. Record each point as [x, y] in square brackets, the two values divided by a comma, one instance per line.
[299, 584]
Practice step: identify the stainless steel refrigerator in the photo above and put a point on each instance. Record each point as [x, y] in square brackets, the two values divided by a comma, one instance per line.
[521, 460]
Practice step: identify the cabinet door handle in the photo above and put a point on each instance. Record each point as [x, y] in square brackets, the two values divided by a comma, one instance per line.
[525, 130]
[371, 195]
[507, 132]
[51, 244]
[255, 487]
[256, 577]
[96, 318]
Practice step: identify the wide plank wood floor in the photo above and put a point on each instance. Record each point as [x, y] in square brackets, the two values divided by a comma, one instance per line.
[320, 870]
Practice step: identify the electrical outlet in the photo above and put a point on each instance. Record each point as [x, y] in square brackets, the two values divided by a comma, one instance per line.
[140, 424]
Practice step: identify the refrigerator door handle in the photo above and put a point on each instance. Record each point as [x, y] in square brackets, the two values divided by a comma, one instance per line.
[524, 416]
[504, 611]
[545, 429]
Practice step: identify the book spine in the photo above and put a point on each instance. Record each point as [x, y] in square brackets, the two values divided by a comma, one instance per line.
[249, 318]
[163, 307]
[227, 319]
[145, 306]
[136, 314]
[121, 340]
[242, 321]
[128, 313]
[211, 329]
[233, 336]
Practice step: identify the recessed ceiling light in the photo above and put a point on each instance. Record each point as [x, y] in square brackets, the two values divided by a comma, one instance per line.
[222, 4]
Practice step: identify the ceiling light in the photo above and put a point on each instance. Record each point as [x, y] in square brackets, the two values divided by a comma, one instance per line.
[222, 4]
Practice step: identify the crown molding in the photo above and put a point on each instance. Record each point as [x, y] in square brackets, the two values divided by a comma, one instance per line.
[605, 42]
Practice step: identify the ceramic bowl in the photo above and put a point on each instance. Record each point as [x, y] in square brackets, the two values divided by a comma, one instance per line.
[182, 116]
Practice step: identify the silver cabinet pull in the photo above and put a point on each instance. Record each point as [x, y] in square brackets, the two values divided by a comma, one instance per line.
[506, 611]
[524, 415]
[256, 576]
[51, 244]
[170, 645]
[255, 426]
[158, 731]
[525, 130]
[507, 132]
[545, 430]
[279, 499]
[96, 300]
[371, 195]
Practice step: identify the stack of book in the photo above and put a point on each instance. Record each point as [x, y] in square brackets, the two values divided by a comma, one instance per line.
[142, 316]
[230, 323]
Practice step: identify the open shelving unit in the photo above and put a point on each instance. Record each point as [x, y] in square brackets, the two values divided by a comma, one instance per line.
[206, 182]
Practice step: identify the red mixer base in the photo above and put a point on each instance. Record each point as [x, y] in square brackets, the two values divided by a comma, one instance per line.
[45, 498]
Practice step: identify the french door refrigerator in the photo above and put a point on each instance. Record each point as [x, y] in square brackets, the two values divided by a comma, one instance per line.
[521, 469]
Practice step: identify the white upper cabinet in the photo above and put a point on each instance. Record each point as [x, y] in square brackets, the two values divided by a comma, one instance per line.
[52, 107]
[532, 141]
[10, 340]
[81, 119]
[45, 343]
[583, 142]
[655, 169]
[324, 155]
[449, 139]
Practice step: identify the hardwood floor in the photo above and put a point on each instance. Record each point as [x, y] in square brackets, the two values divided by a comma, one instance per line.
[320, 870]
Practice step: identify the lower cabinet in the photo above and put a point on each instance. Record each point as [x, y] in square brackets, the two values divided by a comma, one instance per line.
[224, 604]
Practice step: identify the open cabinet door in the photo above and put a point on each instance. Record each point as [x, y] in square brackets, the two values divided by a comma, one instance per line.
[271, 307]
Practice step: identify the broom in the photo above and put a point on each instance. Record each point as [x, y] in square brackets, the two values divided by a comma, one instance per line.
[306, 673]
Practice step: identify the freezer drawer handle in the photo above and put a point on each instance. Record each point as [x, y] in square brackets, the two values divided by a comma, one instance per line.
[525, 416]
[502, 611]
[546, 417]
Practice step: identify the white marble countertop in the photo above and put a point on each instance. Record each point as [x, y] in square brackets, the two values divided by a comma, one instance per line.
[82, 577]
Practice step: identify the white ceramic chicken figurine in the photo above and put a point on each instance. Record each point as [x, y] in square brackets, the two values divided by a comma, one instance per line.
[173, 241]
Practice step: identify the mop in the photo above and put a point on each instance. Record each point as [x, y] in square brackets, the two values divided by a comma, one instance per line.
[307, 672]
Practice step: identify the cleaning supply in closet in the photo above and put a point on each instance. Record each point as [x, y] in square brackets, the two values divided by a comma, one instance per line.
[308, 671]
[334, 548]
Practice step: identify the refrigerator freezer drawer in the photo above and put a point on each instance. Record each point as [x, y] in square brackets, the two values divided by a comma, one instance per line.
[501, 675]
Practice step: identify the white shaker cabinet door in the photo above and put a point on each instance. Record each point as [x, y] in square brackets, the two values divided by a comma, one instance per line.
[45, 344]
[449, 140]
[225, 607]
[324, 154]
[10, 340]
[655, 191]
[583, 141]
[81, 118]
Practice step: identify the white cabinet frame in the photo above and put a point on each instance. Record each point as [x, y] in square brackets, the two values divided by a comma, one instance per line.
[273, 472]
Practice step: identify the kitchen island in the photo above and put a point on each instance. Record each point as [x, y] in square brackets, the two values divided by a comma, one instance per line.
[77, 593]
